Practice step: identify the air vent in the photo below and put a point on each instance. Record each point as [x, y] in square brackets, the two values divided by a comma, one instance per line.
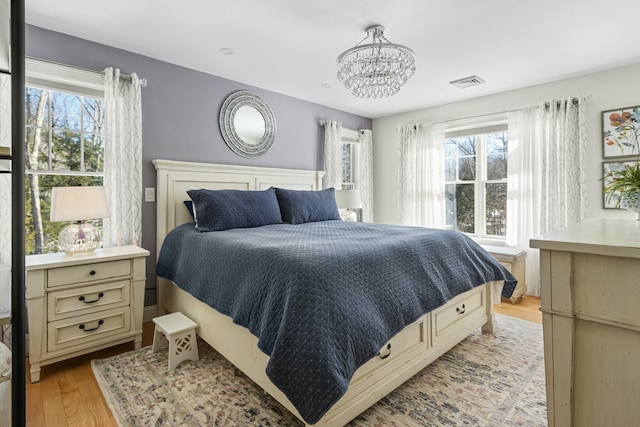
[467, 82]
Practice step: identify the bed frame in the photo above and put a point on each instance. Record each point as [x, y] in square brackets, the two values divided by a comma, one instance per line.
[403, 356]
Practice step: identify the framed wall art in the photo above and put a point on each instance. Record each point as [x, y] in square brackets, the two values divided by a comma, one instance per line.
[620, 132]
[612, 202]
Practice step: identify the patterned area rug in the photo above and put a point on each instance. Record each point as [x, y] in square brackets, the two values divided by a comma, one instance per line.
[487, 380]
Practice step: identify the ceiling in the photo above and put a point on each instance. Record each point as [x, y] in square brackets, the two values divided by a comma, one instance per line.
[290, 46]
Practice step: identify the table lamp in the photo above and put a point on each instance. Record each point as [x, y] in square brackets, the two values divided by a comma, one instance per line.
[78, 204]
[348, 201]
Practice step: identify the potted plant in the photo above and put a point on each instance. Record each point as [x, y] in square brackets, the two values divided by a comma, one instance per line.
[623, 185]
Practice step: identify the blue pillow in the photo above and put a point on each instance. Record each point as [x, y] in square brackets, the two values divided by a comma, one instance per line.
[298, 206]
[189, 205]
[217, 210]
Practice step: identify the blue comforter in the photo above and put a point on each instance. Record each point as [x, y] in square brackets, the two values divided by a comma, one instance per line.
[323, 297]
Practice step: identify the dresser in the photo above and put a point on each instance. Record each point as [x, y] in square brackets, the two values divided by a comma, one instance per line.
[590, 302]
[77, 304]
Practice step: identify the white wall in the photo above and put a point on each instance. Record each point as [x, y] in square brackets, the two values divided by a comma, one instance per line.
[609, 90]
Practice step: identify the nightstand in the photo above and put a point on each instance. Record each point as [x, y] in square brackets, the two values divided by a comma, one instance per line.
[513, 259]
[77, 304]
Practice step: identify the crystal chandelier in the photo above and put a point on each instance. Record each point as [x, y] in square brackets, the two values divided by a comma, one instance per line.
[376, 69]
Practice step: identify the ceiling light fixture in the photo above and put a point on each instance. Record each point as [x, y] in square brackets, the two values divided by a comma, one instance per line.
[226, 51]
[376, 69]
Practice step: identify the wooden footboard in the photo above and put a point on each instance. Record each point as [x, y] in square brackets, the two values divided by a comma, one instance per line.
[407, 353]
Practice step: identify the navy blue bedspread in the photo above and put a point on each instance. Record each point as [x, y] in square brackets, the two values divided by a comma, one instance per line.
[323, 297]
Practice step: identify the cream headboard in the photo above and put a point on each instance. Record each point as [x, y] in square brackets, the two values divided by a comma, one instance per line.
[175, 178]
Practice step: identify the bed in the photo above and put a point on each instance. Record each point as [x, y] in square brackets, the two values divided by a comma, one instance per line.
[406, 347]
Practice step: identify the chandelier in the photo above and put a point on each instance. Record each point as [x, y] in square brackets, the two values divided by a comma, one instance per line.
[376, 69]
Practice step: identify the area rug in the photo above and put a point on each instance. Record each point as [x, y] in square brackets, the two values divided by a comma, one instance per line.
[486, 380]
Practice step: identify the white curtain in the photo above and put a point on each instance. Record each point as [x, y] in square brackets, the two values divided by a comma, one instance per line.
[332, 155]
[123, 159]
[364, 172]
[421, 198]
[5, 178]
[547, 176]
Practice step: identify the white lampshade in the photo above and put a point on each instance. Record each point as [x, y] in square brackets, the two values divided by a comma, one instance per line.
[348, 199]
[78, 203]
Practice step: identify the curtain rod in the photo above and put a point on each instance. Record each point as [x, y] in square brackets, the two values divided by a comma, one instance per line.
[143, 82]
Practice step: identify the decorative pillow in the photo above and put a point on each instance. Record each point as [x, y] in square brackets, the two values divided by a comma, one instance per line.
[189, 205]
[298, 206]
[217, 210]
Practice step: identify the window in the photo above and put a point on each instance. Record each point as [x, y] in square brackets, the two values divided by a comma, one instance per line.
[349, 141]
[476, 182]
[64, 146]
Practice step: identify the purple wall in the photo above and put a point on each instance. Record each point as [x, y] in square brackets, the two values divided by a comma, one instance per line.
[180, 117]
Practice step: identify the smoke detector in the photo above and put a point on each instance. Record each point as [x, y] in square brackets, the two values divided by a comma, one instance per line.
[467, 82]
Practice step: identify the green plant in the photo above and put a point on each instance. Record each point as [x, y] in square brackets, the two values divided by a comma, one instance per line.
[622, 181]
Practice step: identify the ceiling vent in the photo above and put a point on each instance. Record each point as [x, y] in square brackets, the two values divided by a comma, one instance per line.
[467, 82]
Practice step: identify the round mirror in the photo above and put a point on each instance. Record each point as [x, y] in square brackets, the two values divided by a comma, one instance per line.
[247, 124]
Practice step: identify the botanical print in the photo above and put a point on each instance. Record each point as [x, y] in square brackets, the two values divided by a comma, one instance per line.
[612, 202]
[620, 131]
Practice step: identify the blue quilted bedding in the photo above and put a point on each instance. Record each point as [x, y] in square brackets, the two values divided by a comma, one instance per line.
[323, 297]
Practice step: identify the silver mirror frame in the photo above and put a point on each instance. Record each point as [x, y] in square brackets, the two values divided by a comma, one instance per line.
[227, 117]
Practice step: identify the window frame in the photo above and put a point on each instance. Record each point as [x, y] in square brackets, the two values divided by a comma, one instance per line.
[479, 127]
[70, 80]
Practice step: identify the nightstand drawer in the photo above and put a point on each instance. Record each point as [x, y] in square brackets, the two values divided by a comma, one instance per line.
[78, 331]
[88, 272]
[456, 313]
[87, 299]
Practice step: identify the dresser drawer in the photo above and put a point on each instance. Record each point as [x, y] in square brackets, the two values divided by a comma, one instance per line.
[87, 299]
[458, 311]
[413, 336]
[88, 272]
[80, 330]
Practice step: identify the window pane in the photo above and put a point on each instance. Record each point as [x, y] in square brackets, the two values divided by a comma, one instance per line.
[346, 163]
[467, 146]
[497, 143]
[497, 146]
[66, 151]
[460, 201]
[467, 168]
[93, 115]
[93, 153]
[496, 209]
[36, 107]
[66, 111]
[497, 167]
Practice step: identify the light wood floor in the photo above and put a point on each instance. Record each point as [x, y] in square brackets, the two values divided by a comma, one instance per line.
[68, 395]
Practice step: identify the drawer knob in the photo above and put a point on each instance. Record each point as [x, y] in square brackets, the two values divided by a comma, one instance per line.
[388, 352]
[100, 322]
[82, 298]
[461, 311]
[92, 272]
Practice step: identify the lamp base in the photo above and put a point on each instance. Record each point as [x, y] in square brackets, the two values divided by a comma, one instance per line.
[78, 238]
[348, 215]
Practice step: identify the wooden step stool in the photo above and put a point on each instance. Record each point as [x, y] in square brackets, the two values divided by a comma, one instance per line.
[179, 332]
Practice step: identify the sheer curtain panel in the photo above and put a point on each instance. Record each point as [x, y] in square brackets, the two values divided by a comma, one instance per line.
[332, 154]
[421, 198]
[364, 172]
[546, 175]
[123, 159]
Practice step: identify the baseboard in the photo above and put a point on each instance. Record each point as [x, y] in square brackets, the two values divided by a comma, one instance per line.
[149, 313]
